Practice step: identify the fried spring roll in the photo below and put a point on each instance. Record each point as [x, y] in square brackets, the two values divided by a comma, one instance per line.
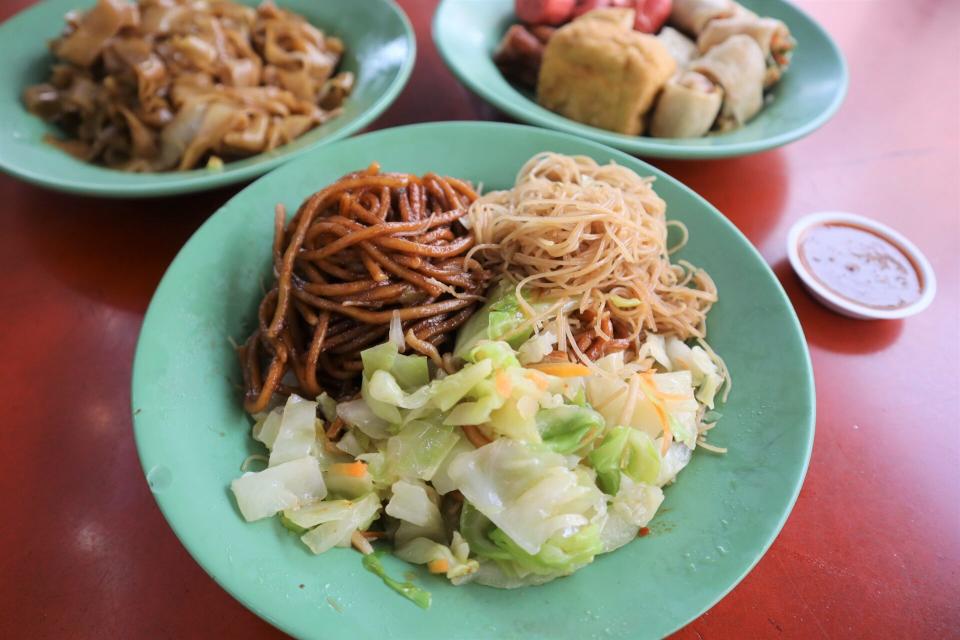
[691, 16]
[687, 108]
[738, 66]
[681, 48]
[771, 34]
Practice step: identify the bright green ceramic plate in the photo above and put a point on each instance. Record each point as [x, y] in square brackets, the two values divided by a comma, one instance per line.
[467, 31]
[716, 522]
[380, 50]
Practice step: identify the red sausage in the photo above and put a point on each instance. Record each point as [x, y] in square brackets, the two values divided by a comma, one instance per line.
[651, 14]
[544, 11]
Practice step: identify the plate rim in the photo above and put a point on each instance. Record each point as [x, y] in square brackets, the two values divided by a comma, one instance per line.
[181, 527]
[196, 182]
[644, 145]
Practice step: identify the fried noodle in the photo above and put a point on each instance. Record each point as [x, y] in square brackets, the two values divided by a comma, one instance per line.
[369, 250]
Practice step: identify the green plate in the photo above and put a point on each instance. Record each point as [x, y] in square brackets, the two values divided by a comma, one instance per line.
[716, 522]
[467, 31]
[380, 50]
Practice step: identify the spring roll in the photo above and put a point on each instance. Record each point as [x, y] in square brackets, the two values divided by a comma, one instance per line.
[738, 66]
[771, 34]
[691, 16]
[681, 48]
[687, 108]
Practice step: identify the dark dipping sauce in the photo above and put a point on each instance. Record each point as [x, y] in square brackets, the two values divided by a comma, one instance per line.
[861, 266]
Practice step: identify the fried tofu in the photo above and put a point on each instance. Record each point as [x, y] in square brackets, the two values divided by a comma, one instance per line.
[603, 73]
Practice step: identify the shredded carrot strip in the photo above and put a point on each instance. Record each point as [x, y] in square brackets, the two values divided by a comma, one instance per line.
[665, 423]
[503, 384]
[334, 429]
[475, 436]
[373, 535]
[440, 565]
[652, 387]
[538, 379]
[562, 369]
[353, 469]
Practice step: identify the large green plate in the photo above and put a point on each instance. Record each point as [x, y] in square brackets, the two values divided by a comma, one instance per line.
[467, 31]
[716, 522]
[380, 50]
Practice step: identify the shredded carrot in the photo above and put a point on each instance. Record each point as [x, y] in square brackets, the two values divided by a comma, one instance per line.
[330, 446]
[562, 369]
[353, 469]
[661, 412]
[538, 379]
[652, 387]
[475, 436]
[334, 429]
[440, 565]
[373, 535]
[665, 423]
[503, 384]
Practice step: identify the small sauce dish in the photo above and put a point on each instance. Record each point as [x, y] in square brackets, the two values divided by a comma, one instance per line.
[860, 268]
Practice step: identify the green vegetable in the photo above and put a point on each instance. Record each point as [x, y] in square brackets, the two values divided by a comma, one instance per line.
[419, 448]
[684, 432]
[383, 410]
[605, 459]
[409, 371]
[378, 358]
[290, 525]
[624, 303]
[496, 320]
[642, 460]
[628, 450]
[476, 529]
[348, 486]
[529, 494]
[559, 555]
[564, 428]
[500, 353]
[450, 390]
[410, 591]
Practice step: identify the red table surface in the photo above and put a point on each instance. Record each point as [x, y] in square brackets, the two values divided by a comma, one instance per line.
[873, 545]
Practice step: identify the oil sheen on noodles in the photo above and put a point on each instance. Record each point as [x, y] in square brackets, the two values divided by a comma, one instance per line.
[593, 239]
[372, 257]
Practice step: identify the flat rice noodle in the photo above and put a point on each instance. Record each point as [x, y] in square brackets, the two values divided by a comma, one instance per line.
[218, 119]
[143, 141]
[252, 136]
[95, 28]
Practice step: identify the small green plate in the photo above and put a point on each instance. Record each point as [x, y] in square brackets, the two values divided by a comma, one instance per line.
[716, 521]
[467, 31]
[380, 50]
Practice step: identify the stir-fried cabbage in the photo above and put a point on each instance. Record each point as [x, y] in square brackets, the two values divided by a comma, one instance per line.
[339, 523]
[289, 485]
[573, 466]
[530, 495]
[297, 433]
[453, 561]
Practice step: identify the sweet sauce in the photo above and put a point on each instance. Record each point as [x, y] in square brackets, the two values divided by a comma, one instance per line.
[861, 266]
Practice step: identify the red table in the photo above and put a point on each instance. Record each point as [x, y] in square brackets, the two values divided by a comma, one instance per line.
[872, 548]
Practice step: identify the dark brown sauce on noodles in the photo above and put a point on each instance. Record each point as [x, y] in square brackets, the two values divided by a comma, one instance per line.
[861, 266]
